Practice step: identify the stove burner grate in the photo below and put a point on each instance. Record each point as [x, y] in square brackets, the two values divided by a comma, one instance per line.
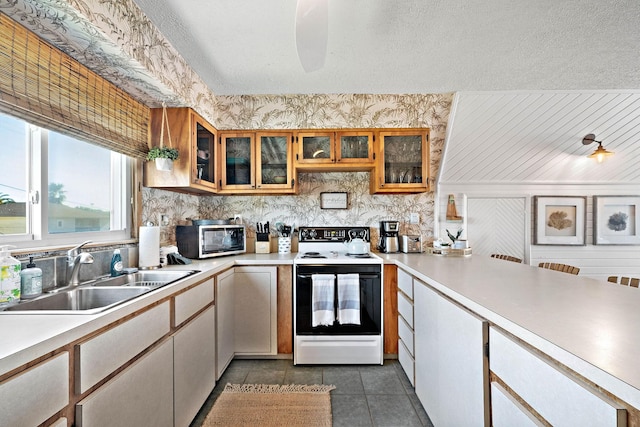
[312, 255]
[367, 255]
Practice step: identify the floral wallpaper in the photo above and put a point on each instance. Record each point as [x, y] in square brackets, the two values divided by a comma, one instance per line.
[318, 111]
[116, 40]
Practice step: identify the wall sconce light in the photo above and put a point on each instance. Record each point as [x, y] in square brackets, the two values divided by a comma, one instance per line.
[600, 153]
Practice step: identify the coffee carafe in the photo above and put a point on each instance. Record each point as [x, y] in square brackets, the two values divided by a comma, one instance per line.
[389, 240]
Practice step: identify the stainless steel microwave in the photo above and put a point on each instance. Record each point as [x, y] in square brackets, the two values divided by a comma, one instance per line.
[206, 241]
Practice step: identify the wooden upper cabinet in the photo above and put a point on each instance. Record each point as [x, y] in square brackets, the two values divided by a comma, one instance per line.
[274, 161]
[237, 155]
[402, 161]
[346, 150]
[195, 169]
[256, 162]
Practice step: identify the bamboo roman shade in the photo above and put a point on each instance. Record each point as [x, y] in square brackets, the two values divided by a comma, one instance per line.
[44, 86]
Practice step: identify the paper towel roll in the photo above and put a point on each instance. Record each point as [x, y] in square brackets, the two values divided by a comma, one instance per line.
[149, 247]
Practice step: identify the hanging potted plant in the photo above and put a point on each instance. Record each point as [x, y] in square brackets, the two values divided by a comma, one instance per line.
[163, 156]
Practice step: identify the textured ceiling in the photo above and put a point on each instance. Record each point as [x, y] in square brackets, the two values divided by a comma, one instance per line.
[408, 46]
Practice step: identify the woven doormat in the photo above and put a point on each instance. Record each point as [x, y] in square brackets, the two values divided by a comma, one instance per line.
[272, 405]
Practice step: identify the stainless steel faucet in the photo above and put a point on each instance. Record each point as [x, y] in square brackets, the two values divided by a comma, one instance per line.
[75, 258]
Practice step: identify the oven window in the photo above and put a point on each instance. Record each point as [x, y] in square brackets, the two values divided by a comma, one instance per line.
[370, 300]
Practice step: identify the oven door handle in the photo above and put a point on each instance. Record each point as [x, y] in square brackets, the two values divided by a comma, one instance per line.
[363, 276]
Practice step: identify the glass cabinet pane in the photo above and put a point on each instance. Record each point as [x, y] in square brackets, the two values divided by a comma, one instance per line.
[354, 147]
[238, 156]
[205, 161]
[316, 147]
[273, 159]
[403, 159]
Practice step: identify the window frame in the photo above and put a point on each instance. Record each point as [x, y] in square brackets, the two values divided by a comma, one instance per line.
[36, 235]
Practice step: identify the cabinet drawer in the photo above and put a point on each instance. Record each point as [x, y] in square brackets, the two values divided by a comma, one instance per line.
[32, 396]
[405, 308]
[406, 361]
[188, 303]
[101, 355]
[141, 395]
[507, 411]
[406, 334]
[405, 283]
[558, 398]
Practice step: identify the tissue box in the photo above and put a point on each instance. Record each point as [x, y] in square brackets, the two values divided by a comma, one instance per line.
[263, 247]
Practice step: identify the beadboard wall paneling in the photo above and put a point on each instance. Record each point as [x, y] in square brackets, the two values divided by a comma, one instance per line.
[535, 137]
[498, 225]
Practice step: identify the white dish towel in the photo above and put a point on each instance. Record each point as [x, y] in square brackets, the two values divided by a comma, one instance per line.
[349, 299]
[322, 299]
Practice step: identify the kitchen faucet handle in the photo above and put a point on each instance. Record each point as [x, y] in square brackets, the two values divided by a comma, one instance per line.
[73, 252]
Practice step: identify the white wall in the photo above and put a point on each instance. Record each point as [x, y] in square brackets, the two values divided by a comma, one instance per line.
[523, 144]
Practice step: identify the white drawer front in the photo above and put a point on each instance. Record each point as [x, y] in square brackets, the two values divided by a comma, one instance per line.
[559, 399]
[32, 396]
[405, 308]
[508, 412]
[406, 334]
[406, 361]
[405, 283]
[108, 351]
[188, 303]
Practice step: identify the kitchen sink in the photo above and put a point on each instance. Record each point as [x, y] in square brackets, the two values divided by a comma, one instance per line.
[151, 278]
[99, 295]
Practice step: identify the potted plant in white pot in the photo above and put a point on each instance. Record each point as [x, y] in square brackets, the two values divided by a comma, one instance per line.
[163, 156]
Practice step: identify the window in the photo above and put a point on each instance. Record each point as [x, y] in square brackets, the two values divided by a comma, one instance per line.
[55, 189]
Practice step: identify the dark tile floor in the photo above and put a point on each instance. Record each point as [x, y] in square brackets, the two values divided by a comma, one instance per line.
[365, 395]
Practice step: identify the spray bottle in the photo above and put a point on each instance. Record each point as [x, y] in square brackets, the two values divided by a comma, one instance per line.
[9, 276]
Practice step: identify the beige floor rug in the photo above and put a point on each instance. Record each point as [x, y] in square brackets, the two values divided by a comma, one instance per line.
[272, 405]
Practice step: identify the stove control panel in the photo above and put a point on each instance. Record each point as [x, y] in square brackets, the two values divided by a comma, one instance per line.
[332, 234]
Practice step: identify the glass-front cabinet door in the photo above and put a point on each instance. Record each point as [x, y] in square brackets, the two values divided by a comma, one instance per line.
[316, 147]
[403, 162]
[237, 155]
[274, 168]
[354, 147]
[203, 164]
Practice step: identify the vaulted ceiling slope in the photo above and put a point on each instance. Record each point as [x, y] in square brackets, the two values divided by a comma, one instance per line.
[408, 46]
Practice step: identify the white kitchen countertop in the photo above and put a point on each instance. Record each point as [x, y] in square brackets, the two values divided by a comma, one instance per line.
[592, 327]
[28, 336]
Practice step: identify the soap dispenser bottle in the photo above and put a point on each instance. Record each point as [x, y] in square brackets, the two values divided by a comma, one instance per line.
[9, 276]
[116, 263]
[30, 281]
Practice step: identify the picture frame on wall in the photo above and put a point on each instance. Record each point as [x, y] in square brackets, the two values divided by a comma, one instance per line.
[334, 200]
[559, 220]
[616, 220]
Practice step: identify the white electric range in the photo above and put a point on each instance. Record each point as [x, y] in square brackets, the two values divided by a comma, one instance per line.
[323, 255]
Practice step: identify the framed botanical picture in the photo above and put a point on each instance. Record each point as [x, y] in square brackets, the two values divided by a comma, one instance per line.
[616, 220]
[333, 200]
[559, 220]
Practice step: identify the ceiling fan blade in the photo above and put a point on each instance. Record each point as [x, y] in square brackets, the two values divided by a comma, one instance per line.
[312, 31]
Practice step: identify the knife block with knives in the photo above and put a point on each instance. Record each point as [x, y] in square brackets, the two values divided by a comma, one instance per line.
[263, 243]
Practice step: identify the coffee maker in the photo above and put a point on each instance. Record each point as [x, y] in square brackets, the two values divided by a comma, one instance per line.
[389, 240]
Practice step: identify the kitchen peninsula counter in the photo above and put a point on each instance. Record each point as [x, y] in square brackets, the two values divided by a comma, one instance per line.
[590, 326]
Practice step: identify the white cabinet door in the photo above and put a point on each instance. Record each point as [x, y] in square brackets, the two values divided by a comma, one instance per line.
[224, 321]
[194, 348]
[32, 396]
[450, 367]
[255, 300]
[141, 395]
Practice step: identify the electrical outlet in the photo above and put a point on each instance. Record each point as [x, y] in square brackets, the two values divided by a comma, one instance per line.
[164, 220]
[414, 218]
